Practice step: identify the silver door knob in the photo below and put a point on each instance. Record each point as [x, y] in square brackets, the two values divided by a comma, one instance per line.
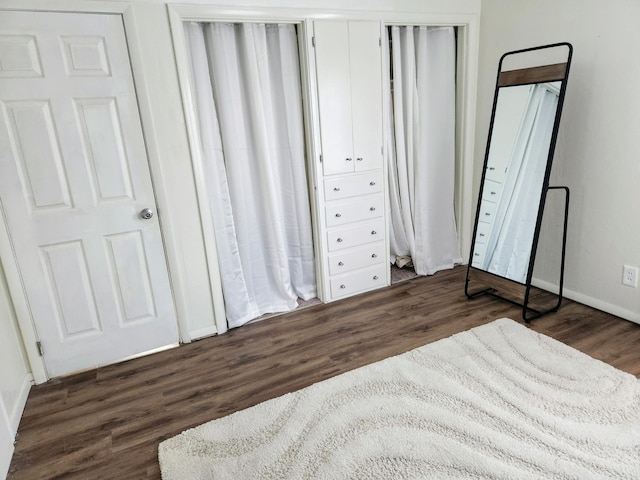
[146, 213]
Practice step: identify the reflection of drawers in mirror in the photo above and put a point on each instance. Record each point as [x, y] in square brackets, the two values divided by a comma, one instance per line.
[478, 254]
[491, 190]
[487, 211]
[496, 173]
[483, 232]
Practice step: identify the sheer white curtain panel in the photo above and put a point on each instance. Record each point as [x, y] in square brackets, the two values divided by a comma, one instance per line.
[508, 248]
[248, 102]
[421, 69]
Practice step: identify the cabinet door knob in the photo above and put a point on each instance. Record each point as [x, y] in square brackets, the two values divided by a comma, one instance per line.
[359, 159]
[375, 277]
[372, 209]
[340, 264]
[338, 215]
[339, 240]
[336, 189]
[375, 255]
[343, 286]
[348, 159]
[372, 183]
[481, 234]
[493, 193]
[373, 232]
[492, 168]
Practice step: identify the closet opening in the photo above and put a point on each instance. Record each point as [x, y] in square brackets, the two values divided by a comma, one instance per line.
[420, 100]
[248, 104]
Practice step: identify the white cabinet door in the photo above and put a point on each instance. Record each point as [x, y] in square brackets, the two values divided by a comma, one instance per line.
[366, 94]
[334, 96]
[348, 66]
[75, 178]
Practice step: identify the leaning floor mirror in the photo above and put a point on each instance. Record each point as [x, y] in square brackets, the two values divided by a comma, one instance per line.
[523, 130]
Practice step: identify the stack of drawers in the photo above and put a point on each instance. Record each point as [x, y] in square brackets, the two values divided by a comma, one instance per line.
[490, 196]
[354, 215]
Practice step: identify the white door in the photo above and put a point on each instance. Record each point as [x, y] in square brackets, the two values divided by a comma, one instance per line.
[334, 95]
[349, 74]
[74, 179]
[366, 94]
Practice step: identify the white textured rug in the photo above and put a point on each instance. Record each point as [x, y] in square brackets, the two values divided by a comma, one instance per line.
[498, 401]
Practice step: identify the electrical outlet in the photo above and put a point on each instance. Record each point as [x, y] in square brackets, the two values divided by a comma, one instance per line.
[630, 276]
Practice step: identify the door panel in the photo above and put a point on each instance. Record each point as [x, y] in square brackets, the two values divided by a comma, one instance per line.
[334, 96]
[366, 94]
[75, 177]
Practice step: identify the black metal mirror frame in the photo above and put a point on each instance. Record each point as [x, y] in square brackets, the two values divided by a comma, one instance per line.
[528, 313]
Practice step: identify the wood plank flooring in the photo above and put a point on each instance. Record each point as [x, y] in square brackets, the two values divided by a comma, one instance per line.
[107, 423]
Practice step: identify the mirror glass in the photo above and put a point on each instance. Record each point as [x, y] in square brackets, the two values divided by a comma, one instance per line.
[514, 176]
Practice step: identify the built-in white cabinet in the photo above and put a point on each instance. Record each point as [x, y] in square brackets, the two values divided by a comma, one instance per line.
[351, 188]
[349, 79]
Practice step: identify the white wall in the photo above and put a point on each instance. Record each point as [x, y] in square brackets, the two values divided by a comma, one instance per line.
[15, 379]
[598, 150]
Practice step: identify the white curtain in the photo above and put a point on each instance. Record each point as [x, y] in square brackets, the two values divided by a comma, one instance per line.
[421, 147]
[509, 244]
[248, 100]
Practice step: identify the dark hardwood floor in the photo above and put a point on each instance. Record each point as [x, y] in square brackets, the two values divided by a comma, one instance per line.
[107, 423]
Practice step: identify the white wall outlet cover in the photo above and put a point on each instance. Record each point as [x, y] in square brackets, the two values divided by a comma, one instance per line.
[630, 276]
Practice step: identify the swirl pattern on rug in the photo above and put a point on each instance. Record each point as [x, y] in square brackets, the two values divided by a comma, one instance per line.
[497, 402]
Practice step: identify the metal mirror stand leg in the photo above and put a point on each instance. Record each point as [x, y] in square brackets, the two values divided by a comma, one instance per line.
[525, 307]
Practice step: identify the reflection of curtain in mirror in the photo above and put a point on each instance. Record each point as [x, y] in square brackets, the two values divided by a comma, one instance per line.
[509, 245]
[421, 146]
[248, 103]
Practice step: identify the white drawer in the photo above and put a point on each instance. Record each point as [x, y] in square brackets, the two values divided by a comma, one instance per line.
[368, 232]
[478, 254]
[482, 234]
[363, 256]
[364, 208]
[491, 190]
[487, 211]
[358, 281]
[352, 185]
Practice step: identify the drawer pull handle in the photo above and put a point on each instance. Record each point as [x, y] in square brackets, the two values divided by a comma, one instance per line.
[373, 232]
[375, 255]
[336, 189]
[476, 254]
[372, 183]
[482, 234]
[487, 214]
[349, 159]
[343, 286]
[359, 159]
[340, 264]
[338, 215]
[493, 193]
[339, 240]
[492, 168]
[372, 209]
[375, 277]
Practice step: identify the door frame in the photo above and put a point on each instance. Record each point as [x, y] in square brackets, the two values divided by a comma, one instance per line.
[170, 240]
[466, 69]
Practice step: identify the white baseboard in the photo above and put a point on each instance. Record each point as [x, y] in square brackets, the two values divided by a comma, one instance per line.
[21, 401]
[6, 452]
[9, 422]
[590, 301]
